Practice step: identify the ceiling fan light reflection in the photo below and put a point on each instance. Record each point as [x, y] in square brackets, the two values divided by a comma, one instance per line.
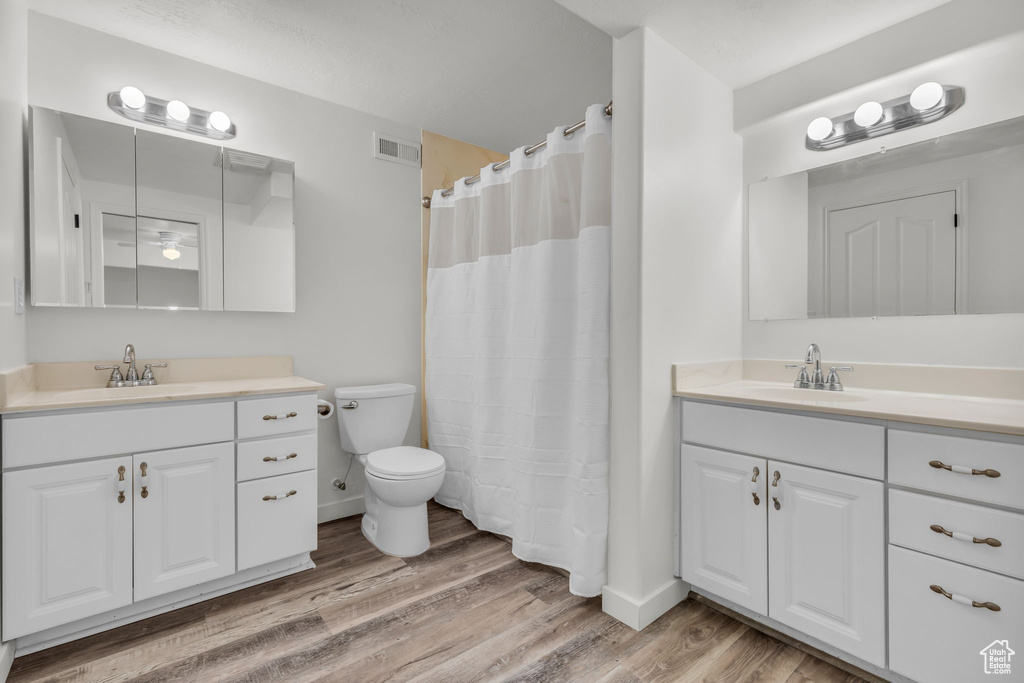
[171, 254]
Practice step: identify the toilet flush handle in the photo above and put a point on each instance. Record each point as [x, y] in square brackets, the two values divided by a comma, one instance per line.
[352, 405]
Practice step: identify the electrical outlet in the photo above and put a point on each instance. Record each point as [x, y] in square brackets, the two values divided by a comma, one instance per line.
[19, 296]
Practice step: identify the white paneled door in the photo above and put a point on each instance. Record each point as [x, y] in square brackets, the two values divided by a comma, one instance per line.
[723, 525]
[184, 518]
[893, 258]
[827, 564]
[69, 555]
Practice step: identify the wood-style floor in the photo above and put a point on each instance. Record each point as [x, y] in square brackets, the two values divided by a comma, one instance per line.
[466, 610]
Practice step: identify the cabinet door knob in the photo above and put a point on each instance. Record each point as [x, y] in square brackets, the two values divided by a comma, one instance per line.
[960, 469]
[121, 484]
[144, 481]
[964, 600]
[753, 486]
[775, 498]
[995, 543]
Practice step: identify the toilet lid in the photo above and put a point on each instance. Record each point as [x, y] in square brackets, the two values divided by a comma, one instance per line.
[404, 462]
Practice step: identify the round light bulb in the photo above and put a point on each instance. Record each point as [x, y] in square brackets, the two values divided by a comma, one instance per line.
[220, 121]
[132, 97]
[868, 114]
[178, 110]
[171, 254]
[926, 96]
[820, 128]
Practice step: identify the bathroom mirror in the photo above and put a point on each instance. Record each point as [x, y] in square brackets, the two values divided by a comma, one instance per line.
[933, 228]
[126, 218]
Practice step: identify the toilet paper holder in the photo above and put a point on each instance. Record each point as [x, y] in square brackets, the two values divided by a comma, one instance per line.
[324, 409]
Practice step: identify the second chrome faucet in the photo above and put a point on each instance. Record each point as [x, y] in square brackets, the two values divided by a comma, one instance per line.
[132, 378]
[817, 379]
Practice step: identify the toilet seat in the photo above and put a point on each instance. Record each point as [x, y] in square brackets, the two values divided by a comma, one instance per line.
[404, 462]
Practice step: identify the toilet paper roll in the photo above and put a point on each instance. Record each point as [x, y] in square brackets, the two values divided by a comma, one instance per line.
[325, 409]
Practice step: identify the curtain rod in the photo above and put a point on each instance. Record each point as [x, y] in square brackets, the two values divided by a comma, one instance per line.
[529, 150]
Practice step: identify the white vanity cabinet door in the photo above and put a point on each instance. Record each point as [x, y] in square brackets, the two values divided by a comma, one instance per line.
[185, 526]
[827, 557]
[723, 534]
[67, 544]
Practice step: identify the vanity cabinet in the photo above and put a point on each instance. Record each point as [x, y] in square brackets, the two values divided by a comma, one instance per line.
[113, 514]
[775, 530]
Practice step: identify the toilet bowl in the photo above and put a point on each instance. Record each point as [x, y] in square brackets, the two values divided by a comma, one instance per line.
[372, 422]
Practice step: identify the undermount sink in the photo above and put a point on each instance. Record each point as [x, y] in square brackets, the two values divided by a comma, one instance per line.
[809, 395]
[104, 393]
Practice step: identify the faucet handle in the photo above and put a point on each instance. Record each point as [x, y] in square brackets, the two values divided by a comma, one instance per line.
[147, 374]
[115, 376]
[802, 381]
[832, 383]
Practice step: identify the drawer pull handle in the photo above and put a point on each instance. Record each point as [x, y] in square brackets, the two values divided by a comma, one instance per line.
[144, 481]
[280, 417]
[276, 458]
[121, 485]
[966, 601]
[753, 486]
[960, 469]
[965, 537]
[281, 496]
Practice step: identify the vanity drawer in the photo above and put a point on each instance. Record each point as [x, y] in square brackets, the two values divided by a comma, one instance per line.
[932, 638]
[851, 447]
[42, 439]
[911, 452]
[272, 529]
[911, 516]
[271, 457]
[277, 415]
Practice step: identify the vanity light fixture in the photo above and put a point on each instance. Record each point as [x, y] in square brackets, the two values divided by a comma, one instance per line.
[132, 103]
[928, 103]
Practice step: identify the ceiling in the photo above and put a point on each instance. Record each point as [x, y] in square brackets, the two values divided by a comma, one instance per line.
[496, 73]
[743, 41]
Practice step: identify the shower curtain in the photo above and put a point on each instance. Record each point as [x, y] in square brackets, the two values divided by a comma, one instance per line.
[517, 350]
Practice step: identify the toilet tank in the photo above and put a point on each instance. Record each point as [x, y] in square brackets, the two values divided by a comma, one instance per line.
[379, 419]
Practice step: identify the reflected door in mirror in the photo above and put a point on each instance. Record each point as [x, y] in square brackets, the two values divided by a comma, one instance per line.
[893, 258]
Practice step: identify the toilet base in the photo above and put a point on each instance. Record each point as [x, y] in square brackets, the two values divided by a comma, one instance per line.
[398, 531]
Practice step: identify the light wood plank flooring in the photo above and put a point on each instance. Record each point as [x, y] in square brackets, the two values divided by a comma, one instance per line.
[466, 610]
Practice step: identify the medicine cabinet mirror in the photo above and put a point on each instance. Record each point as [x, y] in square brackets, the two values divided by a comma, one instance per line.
[933, 228]
[126, 218]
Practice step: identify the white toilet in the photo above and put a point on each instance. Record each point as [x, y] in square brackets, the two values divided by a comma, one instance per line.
[372, 421]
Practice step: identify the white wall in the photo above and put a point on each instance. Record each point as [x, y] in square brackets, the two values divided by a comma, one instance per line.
[774, 147]
[357, 235]
[675, 294]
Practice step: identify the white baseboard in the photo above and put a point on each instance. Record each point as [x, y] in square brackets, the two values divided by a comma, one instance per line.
[6, 660]
[340, 508]
[639, 614]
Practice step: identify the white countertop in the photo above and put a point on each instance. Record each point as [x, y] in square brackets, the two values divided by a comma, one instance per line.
[1003, 416]
[57, 399]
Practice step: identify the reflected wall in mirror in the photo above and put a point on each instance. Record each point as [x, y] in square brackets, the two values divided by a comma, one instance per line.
[933, 228]
[180, 259]
[259, 233]
[82, 187]
[126, 218]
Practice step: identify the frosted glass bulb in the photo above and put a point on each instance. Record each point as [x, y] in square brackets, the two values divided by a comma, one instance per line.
[868, 114]
[926, 96]
[132, 97]
[820, 128]
[170, 253]
[220, 121]
[178, 110]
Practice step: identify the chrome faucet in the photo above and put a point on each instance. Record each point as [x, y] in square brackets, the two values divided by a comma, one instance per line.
[131, 379]
[817, 379]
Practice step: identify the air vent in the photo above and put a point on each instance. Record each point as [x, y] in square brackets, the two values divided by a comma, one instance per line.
[243, 162]
[396, 150]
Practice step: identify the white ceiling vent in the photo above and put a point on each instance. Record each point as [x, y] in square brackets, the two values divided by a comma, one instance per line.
[395, 149]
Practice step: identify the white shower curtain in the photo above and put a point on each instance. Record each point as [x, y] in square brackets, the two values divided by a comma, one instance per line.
[517, 350]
